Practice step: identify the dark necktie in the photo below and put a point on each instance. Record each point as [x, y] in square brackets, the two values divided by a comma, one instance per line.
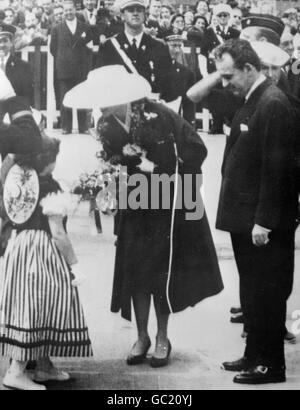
[134, 49]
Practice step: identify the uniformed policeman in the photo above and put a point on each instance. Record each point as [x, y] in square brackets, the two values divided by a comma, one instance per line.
[182, 78]
[17, 70]
[137, 51]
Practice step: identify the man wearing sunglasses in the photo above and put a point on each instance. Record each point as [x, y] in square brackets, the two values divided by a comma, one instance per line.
[138, 51]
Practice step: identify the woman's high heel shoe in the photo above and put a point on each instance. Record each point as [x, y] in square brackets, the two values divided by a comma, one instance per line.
[134, 360]
[157, 362]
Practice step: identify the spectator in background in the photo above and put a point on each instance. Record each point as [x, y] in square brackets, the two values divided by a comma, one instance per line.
[165, 20]
[290, 19]
[16, 5]
[202, 9]
[10, 16]
[89, 14]
[33, 34]
[245, 6]
[236, 18]
[47, 17]
[108, 22]
[2, 15]
[58, 13]
[177, 24]
[70, 42]
[197, 34]
[188, 19]
[287, 44]
[17, 71]
[153, 21]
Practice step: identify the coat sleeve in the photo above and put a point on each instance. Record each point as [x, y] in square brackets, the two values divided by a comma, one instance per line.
[28, 84]
[190, 147]
[104, 54]
[54, 41]
[22, 136]
[164, 68]
[277, 154]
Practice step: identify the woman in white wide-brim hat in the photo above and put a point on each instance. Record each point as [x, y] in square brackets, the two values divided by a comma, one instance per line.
[159, 253]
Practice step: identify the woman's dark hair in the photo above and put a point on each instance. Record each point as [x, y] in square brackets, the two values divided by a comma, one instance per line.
[241, 52]
[197, 17]
[39, 161]
[175, 17]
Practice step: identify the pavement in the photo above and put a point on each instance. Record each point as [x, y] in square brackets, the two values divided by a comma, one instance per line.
[202, 337]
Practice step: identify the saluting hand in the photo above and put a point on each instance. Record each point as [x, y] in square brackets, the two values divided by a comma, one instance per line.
[260, 236]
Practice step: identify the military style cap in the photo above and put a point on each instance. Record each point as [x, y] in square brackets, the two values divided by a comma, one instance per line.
[222, 8]
[265, 21]
[123, 4]
[7, 30]
[174, 37]
[269, 54]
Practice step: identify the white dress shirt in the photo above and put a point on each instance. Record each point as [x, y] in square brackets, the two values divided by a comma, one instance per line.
[3, 61]
[138, 38]
[72, 25]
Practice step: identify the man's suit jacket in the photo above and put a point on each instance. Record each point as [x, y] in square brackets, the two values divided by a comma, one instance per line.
[258, 185]
[212, 36]
[72, 57]
[153, 62]
[20, 75]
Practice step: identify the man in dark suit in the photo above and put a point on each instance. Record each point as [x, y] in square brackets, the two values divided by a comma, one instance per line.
[18, 71]
[258, 206]
[70, 42]
[138, 51]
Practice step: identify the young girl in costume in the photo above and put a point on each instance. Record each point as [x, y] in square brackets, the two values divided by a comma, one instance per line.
[40, 311]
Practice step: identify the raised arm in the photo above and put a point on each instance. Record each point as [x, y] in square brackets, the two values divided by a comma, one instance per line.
[203, 88]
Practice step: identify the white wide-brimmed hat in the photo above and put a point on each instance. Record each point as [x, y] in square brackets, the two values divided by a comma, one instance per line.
[108, 87]
[269, 54]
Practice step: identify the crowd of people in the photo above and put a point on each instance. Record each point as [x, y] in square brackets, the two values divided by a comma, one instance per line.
[247, 75]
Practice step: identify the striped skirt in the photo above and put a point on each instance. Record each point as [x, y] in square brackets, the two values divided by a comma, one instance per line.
[40, 311]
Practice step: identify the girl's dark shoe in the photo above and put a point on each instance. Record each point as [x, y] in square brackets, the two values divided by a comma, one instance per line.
[134, 360]
[157, 362]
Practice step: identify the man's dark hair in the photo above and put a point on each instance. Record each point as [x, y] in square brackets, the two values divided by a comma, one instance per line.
[241, 52]
[269, 34]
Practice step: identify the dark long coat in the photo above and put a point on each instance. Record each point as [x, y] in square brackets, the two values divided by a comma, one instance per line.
[20, 75]
[143, 248]
[73, 59]
[153, 62]
[258, 184]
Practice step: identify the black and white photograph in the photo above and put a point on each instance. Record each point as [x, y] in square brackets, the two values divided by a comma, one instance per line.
[149, 198]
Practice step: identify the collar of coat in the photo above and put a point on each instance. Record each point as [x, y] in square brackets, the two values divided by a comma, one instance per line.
[124, 43]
